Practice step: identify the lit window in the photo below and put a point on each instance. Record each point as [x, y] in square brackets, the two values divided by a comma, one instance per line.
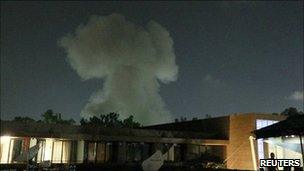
[261, 124]
[5, 149]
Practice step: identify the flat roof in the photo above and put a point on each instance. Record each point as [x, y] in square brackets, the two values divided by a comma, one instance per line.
[99, 133]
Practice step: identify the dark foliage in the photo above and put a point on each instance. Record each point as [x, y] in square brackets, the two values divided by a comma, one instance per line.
[47, 117]
[181, 119]
[23, 119]
[50, 117]
[291, 111]
[111, 120]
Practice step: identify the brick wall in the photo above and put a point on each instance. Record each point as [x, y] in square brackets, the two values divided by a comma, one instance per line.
[239, 154]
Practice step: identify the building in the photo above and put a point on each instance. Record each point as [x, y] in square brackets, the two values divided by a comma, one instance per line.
[287, 134]
[237, 129]
[226, 139]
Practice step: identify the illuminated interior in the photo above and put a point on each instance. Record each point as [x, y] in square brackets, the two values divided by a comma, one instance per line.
[66, 148]
[48, 149]
[80, 151]
[56, 151]
[261, 124]
[5, 149]
[283, 147]
[57, 148]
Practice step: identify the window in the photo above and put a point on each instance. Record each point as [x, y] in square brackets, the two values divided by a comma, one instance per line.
[41, 151]
[57, 151]
[101, 152]
[66, 151]
[261, 124]
[5, 148]
[134, 152]
[17, 148]
[109, 151]
[91, 152]
[57, 148]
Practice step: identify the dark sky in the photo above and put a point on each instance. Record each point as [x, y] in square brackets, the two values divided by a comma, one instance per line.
[232, 57]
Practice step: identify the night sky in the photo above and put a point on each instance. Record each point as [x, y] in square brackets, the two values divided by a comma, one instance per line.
[232, 56]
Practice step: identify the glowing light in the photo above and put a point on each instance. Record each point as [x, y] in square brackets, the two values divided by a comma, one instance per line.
[5, 138]
[57, 149]
[5, 148]
[48, 149]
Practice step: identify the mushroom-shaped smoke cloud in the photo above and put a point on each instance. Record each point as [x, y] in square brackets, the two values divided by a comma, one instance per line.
[131, 59]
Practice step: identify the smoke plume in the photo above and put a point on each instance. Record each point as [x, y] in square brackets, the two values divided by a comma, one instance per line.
[132, 60]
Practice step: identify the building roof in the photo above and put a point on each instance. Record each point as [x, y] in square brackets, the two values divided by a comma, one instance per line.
[293, 125]
[218, 127]
[98, 133]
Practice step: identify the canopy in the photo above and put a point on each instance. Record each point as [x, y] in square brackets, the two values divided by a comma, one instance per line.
[293, 125]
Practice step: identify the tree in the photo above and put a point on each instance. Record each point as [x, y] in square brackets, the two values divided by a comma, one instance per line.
[83, 121]
[195, 118]
[130, 123]
[67, 122]
[208, 116]
[23, 119]
[111, 120]
[291, 111]
[183, 119]
[47, 117]
[50, 117]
